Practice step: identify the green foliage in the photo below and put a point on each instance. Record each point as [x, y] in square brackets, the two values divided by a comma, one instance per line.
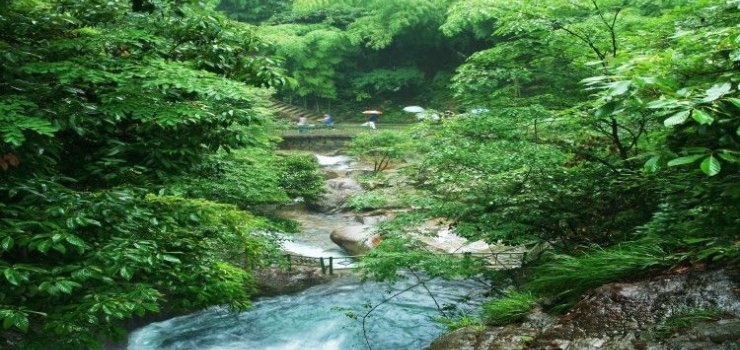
[696, 102]
[380, 148]
[299, 176]
[386, 82]
[99, 106]
[366, 201]
[510, 309]
[73, 268]
[383, 19]
[567, 277]
[685, 319]
[464, 321]
[313, 53]
[398, 254]
[244, 178]
[15, 120]
[133, 100]
[252, 11]
[253, 176]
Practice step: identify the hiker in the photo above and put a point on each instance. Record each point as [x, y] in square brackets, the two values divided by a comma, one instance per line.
[371, 119]
[302, 124]
[328, 121]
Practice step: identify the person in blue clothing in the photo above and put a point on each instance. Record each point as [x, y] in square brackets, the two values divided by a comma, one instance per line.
[328, 121]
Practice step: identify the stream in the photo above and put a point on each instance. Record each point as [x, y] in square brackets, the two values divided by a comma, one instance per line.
[323, 317]
[315, 319]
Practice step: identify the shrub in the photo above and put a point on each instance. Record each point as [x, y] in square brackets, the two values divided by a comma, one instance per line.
[300, 177]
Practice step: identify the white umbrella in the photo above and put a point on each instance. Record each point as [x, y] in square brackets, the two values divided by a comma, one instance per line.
[372, 112]
[413, 109]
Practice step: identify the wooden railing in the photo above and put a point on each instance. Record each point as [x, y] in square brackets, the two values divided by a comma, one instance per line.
[339, 129]
[504, 260]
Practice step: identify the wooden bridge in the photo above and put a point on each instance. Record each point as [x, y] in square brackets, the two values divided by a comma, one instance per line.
[318, 138]
[338, 130]
[501, 261]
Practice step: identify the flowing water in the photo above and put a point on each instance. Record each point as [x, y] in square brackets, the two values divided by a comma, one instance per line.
[324, 317]
[316, 319]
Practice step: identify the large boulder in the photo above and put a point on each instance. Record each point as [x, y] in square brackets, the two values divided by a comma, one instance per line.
[273, 281]
[620, 316]
[355, 240]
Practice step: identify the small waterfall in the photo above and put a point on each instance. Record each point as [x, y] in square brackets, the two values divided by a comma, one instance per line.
[334, 162]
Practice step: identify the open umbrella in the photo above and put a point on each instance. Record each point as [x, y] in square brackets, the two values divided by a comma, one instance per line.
[372, 112]
[413, 109]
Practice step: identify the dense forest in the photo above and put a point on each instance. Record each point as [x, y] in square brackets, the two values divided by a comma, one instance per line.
[137, 143]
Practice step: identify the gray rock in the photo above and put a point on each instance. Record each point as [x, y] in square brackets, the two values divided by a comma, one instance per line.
[338, 190]
[622, 316]
[331, 174]
[356, 240]
[275, 281]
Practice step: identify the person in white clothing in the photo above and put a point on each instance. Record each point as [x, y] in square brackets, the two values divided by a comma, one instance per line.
[371, 121]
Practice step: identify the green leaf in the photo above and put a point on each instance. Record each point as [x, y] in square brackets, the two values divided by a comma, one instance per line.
[7, 243]
[711, 166]
[735, 101]
[652, 164]
[126, 273]
[685, 160]
[170, 258]
[702, 117]
[593, 80]
[8, 321]
[735, 55]
[65, 287]
[716, 92]
[21, 322]
[75, 241]
[729, 157]
[697, 240]
[12, 276]
[619, 88]
[662, 103]
[678, 118]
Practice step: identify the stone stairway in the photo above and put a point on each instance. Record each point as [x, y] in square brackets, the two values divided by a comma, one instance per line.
[289, 112]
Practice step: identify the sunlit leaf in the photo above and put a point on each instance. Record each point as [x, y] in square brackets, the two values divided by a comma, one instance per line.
[729, 157]
[7, 243]
[717, 91]
[620, 87]
[686, 160]
[701, 117]
[711, 166]
[735, 55]
[652, 164]
[677, 119]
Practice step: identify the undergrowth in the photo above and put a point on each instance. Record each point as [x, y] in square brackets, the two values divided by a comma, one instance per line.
[685, 319]
[565, 278]
[510, 309]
